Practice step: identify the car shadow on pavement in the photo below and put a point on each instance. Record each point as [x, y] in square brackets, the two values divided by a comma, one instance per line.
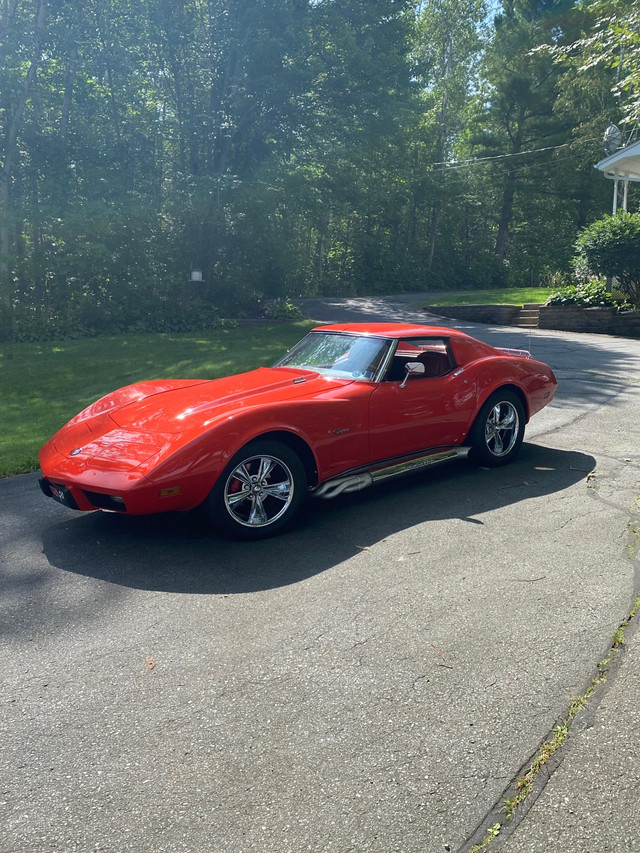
[180, 554]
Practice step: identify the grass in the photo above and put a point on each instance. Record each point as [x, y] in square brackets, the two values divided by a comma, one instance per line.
[503, 296]
[561, 732]
[45, 384]
[524, 785]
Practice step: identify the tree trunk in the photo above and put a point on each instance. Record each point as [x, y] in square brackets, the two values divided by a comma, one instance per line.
[506, 214]
[320, 251]
[441, 145]
[6, 285]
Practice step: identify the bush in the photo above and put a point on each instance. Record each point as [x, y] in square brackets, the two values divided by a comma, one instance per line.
[611, 247]
[556, 279]
[282, 309]
[157, 316]
[589, 294]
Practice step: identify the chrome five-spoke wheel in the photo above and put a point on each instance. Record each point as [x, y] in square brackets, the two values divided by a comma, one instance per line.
[498, 431]
[501, 428]
[260, 491]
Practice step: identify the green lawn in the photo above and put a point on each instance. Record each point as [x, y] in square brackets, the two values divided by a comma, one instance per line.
[44, 384]
[503, 296]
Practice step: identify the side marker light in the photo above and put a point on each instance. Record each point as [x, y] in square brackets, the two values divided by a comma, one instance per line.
[168, 493]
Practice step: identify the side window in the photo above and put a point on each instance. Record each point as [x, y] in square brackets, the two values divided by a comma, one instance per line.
[434, 353]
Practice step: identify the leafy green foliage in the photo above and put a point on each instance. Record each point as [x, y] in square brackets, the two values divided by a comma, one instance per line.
[90, 320]
[283, 309]
[611, 247]
[612, 42]
[289, 147]
[589, 294]
[519, 127]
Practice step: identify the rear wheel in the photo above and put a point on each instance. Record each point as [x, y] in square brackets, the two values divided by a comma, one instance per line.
[260, 491]
[498, 430]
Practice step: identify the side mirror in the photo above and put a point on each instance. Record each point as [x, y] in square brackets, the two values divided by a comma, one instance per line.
[412, 368]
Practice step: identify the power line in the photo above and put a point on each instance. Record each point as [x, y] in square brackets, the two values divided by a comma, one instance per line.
[466, 163]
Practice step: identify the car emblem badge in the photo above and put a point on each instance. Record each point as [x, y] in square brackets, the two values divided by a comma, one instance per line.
[75, 451]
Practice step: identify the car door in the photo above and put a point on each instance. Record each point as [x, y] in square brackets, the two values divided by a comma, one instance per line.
[429, 411]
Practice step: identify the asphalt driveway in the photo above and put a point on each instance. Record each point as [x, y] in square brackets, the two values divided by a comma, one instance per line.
[372, 681]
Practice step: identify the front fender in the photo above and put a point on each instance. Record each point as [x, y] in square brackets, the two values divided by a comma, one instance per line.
[333, 429]
[196, 465]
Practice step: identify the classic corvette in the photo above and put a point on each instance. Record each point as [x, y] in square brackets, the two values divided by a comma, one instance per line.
[346, 407]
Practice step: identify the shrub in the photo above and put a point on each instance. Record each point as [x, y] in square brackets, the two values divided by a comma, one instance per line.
[282, 309]
[590, 294]
[157, 316]
[611, 247]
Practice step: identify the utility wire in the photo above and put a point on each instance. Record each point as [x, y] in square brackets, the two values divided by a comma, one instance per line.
[466, 163]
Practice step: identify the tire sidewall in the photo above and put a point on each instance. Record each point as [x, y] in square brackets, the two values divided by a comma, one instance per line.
[215, 506]
[480, 452]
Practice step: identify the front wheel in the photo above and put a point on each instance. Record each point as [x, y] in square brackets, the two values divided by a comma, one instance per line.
[260, 491]
[497, 432]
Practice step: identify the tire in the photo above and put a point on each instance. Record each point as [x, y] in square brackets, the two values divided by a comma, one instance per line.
[497, 432]
[260, 492]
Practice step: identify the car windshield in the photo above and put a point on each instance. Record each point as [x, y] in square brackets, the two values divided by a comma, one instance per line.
[336, 354]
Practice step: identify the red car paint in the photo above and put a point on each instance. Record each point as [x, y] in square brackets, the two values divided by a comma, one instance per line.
[158, 446]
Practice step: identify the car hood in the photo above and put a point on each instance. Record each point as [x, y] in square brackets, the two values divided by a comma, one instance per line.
[198, 406]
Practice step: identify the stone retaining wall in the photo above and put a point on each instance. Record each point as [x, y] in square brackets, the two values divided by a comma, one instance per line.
[501, 315]
[603, 321]
[565, 318]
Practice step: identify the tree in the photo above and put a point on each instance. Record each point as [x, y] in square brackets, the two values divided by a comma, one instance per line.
[448, 47]
[611, 247]
[613, 42]
[17, 81]
[518, 121]
[285, 146]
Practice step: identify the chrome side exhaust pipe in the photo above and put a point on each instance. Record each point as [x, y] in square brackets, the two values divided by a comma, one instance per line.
[333, 488]
[363, 479]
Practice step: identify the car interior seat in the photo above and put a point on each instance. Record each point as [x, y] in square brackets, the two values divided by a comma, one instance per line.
[435, 364]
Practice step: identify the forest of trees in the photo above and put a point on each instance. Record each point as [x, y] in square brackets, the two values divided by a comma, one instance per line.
[296, 147]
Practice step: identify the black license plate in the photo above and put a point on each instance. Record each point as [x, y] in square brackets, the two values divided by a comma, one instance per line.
[59, 493]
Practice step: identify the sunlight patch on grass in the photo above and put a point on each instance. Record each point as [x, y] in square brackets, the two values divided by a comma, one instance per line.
[46, 384]
[502, 296]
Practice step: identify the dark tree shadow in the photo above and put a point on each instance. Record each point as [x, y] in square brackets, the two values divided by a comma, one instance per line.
[180, 554]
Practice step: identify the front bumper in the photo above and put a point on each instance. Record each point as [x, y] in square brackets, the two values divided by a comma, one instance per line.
[59, 493]
[75, 497]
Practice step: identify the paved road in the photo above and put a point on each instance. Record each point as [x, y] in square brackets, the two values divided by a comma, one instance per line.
[372, 681]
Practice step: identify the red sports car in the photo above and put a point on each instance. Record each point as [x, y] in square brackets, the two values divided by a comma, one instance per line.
[347, 406]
